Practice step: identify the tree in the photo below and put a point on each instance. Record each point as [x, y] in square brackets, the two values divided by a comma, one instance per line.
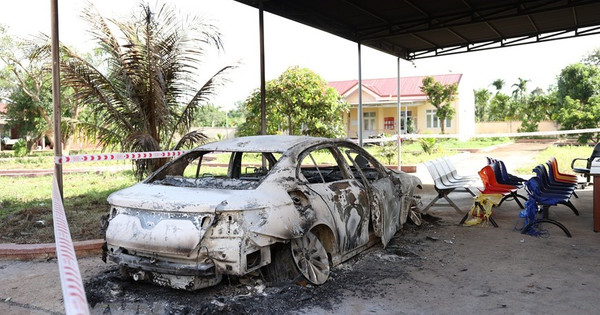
[520, 90]
[147, 91]
[498, 84]
[578, 81]
[299, 102]
[210, 116]
[28, 83]
[578, 98]
[500, 105]
[441, 97]
[575, 114]
[539, 107]
[482, 99]
[593, 58]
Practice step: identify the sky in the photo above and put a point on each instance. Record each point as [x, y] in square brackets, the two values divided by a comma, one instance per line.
[290, 44]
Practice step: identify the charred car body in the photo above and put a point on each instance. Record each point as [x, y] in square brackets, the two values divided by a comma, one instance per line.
[312, 203]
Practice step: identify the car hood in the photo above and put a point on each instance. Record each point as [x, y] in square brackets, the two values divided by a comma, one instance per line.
[186, 199]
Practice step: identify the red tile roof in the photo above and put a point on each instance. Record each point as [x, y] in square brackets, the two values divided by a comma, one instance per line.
[409, 86]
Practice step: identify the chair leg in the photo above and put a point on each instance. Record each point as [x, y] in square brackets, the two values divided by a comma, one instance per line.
[521, 196]
[575, 194]
[560, 225]
[570, 205]
[453, 204]
[470, 192]
[464, 218]
[515, 195]
[490, 217]
[431, 203]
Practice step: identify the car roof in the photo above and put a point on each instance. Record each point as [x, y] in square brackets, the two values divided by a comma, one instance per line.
[269, 143]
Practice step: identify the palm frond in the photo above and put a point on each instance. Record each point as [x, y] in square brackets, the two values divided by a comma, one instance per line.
[191, 139]
[207, 90]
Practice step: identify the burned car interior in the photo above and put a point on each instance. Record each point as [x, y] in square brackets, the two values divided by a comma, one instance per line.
[192, 172]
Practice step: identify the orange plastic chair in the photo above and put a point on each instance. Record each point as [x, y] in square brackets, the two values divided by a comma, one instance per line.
[567, 178]
[491, 186]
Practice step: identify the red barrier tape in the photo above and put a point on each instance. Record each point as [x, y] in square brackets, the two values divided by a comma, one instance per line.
[116, 156]
[68, 268]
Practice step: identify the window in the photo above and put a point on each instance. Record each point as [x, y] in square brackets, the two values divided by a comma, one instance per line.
[360, 165]
[433, 122]
[320, 166]
[408, 115]
[203, 169]
[369, 121]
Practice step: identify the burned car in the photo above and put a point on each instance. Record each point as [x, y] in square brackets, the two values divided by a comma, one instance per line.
[293, 206]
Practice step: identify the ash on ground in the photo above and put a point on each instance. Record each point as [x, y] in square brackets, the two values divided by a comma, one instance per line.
[363, 276]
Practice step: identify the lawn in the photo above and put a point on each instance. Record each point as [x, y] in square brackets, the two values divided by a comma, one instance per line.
[26, 205]
[563, 154]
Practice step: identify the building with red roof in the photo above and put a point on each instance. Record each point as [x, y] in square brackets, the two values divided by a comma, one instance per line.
[380, 113]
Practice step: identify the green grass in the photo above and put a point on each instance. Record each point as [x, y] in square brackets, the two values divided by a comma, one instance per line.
[26, 200]
[47, 162]
[563, 154]
[412, 153]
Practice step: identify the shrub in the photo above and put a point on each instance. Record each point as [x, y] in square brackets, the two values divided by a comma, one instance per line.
[388, 151]
[20, 148]
[429, 145]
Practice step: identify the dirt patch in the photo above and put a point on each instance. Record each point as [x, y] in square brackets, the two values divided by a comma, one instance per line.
[35, 225]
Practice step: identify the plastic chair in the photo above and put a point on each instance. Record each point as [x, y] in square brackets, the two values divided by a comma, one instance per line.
[491, 186]
[558, 175]
[444, 187]
[453, 172]
[585, 171]
[542, 187]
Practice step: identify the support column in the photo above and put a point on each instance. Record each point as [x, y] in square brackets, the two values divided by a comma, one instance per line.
[398, 124]
[56, 94]
[360, 105]
[263, 106]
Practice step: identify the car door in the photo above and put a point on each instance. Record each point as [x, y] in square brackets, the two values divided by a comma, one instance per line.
[384, 199]
[326, 180]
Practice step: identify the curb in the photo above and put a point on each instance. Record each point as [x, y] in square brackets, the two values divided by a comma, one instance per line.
[12, 251]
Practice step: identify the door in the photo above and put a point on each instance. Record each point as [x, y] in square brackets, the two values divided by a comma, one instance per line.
[384, 199]
[327, 181]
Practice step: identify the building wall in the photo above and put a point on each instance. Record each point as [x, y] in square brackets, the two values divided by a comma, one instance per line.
[387, 108]
[510, 126]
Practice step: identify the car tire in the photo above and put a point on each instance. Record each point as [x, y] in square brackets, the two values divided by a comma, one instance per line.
[311, 258]
[282, 269]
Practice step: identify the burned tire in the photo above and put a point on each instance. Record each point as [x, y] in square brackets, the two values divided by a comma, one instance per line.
[311, 258]
[282, 269]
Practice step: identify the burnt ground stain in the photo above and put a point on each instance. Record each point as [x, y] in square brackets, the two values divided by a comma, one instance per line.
[359, 276]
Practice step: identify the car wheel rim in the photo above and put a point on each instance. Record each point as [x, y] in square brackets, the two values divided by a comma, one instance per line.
[311, 258]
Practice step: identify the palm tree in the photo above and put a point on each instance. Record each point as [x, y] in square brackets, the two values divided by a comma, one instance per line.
[520, 89]
[146, 94]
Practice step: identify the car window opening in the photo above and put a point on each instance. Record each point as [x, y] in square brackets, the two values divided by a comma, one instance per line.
[221, 170]
[321, 166]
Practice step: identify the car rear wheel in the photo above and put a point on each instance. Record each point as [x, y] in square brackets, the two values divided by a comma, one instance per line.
[311, 258]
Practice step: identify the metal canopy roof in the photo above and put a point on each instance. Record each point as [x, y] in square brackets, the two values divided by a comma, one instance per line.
[412, 29]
